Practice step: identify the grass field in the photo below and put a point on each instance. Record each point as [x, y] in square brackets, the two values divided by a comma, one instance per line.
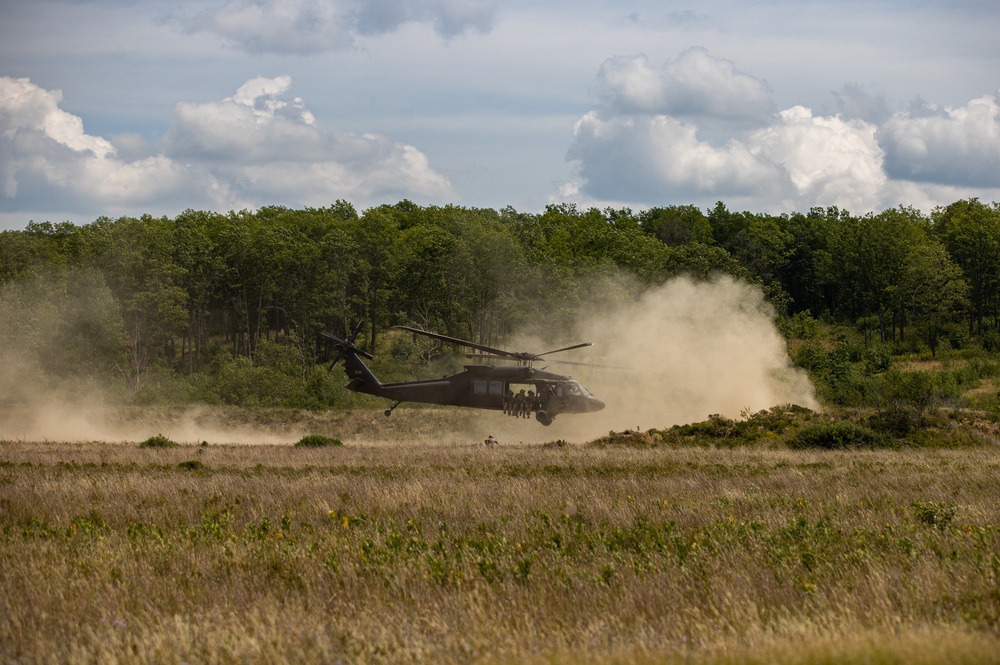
[531, 553]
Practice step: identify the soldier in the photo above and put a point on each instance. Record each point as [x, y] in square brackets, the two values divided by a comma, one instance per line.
[491, 441]
[529, 404]
[508, 402]
[519, 404]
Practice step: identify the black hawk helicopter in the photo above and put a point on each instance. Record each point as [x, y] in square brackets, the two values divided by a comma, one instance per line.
[479, 386]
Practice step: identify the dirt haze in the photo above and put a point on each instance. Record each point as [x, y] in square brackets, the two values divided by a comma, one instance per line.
[680, 352]
[692, 348]
[677, 354]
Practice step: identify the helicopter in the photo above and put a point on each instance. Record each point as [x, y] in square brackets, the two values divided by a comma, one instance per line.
[478, 386]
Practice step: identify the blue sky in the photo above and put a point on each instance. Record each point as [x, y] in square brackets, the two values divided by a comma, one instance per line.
[125, 107]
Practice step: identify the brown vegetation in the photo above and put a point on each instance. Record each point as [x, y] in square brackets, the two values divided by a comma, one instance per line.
[116, 553]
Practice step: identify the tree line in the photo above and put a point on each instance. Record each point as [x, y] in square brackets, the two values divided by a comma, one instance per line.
[208, 296]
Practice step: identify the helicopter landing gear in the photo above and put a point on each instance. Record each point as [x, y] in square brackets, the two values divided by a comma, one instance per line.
[544, 418]
[388, 412]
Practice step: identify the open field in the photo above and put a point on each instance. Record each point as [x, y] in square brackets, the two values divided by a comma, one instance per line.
[458, 553]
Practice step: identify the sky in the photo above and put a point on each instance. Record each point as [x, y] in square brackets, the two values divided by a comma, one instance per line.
[131, 107]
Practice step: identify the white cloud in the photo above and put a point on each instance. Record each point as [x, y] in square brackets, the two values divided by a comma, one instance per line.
[647, 158]
[254, 148]
[270, 148]
[829, 160]
[256, 123]
[956, 146]
[317, 26]
[799, 159]
[28, 108]
[693, 84]
[45, 155]
[277, 26]
[646, 144]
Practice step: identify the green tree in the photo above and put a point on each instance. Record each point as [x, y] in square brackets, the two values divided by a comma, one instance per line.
[934, 291]
[677, 225]
[196, 251]
[868, 256]
[971, 232]
[136, 258]
[20, 254]
[375, 234]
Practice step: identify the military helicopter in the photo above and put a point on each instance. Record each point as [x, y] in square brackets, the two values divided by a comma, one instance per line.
[479, 386]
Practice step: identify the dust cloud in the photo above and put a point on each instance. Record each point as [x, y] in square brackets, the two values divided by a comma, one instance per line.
[76, 412]
[676, 354]
[56, 332]
[673, 354]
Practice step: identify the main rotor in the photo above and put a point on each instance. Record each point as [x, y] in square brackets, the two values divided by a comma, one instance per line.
[522, 358]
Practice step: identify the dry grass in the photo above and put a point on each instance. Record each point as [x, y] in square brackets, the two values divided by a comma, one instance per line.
[112, 553]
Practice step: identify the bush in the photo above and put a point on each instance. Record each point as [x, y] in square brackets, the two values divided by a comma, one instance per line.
[877, 359]
[812, 358]
[838, 435]
[317, 441]
[990, 341]
[158, 441]
[897, 421]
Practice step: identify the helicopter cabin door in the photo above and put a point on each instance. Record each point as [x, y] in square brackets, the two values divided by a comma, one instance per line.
[488, 393]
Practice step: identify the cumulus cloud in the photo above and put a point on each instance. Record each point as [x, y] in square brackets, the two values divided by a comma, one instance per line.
[46, 157]
[693, 84]
[799, 159]
[316, 26]
[257, 147]
[646, 158]
[955, 146]
[828, 160]
[266, 146]
[654, 139]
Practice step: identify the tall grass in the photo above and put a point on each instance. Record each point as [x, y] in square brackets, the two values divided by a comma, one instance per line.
[114, 553]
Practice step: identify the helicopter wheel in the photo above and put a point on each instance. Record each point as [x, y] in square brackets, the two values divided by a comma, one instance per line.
[544, 418]
[388, 412]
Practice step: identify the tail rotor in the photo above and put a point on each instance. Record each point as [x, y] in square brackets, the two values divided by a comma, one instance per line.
[346, 347]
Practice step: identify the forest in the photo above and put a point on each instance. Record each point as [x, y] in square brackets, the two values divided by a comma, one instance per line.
[227, 308]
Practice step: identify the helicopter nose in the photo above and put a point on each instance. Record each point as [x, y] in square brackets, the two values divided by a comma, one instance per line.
[596, 404]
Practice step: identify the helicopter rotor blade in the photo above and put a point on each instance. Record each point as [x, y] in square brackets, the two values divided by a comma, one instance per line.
[357, 329]
[598, 366]
[460, 342]
[567, 348]
[479, 356]
[520, 356]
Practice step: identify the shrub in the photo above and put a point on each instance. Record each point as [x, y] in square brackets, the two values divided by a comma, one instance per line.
[317, 441]
[990, 341]
[158, 441]
[934, 514]
[896, 420]
[877, 359]
[838, 435]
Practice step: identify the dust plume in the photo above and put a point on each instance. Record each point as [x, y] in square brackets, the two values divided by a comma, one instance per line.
[60, 377]
[78, 410]
[679, 353]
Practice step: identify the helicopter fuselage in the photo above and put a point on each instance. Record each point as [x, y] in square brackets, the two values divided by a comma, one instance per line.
[482, 387]
[519, 389]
